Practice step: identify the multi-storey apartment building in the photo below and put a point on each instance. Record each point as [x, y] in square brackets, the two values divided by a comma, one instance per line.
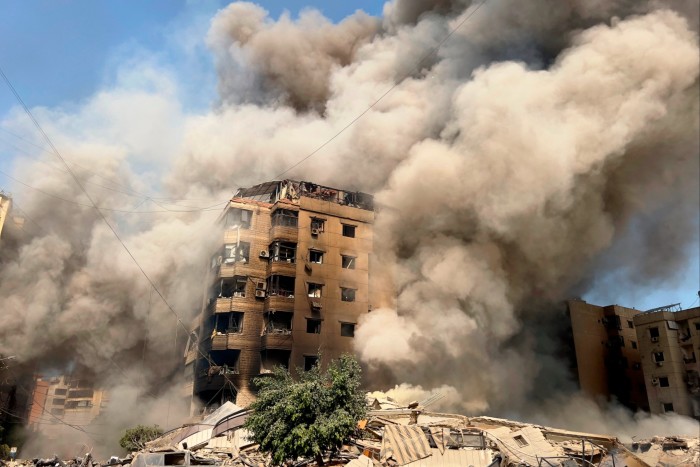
[669, 344]
[61, 400]
[288, 284]
[608, 360]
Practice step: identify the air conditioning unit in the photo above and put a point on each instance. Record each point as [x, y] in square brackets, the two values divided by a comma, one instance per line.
[261, 285]
[315, 232]
[264, 254]
[655, 381]
[260, 293]
[659, 363]
[655, 339]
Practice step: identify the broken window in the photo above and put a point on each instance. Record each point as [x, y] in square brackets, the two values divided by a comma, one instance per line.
[285, 218]
[226, 360]
[282, 286]
[634, 344]
[233, 286]
[347, 294]
[310, 361]
[316, 256]
[317, 225]
[237, 218]
[313, 326]
[658, 356]
[663, 381]
[58, 401]
[75, 393]
[315, 290]
[630, 324]
[617, 341]
[697, 325]
[60, 392]
[278, 323]
[520, 441]
[283, 251]
[347, 262]
[234, 253]
[347, 329]
[667, 406]
[654, 332]
[612, 322]
[348, 230]
[228, 322]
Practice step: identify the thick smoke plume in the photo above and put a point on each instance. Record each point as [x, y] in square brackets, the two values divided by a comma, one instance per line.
[535, 149]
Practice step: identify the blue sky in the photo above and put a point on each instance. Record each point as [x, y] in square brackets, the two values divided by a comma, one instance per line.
[60, 53]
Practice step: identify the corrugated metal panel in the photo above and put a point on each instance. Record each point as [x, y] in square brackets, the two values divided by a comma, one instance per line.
[456, 458]
[404, 444]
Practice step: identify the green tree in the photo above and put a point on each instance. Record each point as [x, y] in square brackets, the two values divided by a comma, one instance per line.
[136, 438]
[308, 417]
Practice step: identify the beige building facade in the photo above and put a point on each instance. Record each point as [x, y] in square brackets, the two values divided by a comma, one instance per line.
[608, 360]
[669, 344]
[287, 286]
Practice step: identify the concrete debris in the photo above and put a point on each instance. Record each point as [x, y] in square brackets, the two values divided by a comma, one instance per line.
[392, 436]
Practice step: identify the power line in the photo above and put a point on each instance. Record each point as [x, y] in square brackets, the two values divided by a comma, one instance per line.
[130, 191]
[94, 205]
[214, 207]
[397, 83]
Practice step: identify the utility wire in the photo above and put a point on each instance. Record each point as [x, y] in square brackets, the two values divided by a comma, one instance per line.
[415, 68]
[130, 191]
[214, 207]
[100, 213]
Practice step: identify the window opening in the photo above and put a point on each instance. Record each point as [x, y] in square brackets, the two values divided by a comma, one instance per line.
[310, 361]
[348, 231]
[282, 286]
[658, 357]
[347, 329]
[236, 218]
[283, 251]
[315, 290]
[313, 326]
[317, 225]
[233, 287]
[234, 253]
[654, 332]
[347, 262]
[231, 322]
[316, 256]
[663, 382]
[630, 324]
[347, 295]
[285, 218]
[279, 323]
[668, 406]
[634, 344]
[520, 441]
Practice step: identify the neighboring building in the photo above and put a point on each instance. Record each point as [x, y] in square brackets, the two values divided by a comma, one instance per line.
[64, 400]
[289, 283]
[608, 361]
[5, 203]
[669, 343]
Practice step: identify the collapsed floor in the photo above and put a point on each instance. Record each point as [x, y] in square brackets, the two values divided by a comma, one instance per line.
[392, 435]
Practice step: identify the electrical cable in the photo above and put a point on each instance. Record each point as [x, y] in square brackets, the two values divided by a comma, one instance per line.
[100, 213]
[386, 93]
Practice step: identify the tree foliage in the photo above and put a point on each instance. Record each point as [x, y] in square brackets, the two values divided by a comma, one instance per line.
[136, 438]
[308, 417]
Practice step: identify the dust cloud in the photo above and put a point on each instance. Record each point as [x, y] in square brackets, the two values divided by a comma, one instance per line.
[533, 150]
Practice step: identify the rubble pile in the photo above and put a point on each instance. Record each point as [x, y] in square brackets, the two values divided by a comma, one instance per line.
[393, 435]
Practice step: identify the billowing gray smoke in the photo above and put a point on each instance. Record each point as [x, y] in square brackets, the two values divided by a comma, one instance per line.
[538, 147]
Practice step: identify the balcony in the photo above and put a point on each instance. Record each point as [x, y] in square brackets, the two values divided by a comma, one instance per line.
[279, 339]
[230, 340]
[277, 301]
[284, 233]
[286, 267]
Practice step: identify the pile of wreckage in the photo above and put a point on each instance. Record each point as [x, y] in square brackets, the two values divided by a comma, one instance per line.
[394, 435]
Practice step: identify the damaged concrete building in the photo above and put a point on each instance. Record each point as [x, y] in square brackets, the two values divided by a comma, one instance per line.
[644, 359]
[288, 283]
